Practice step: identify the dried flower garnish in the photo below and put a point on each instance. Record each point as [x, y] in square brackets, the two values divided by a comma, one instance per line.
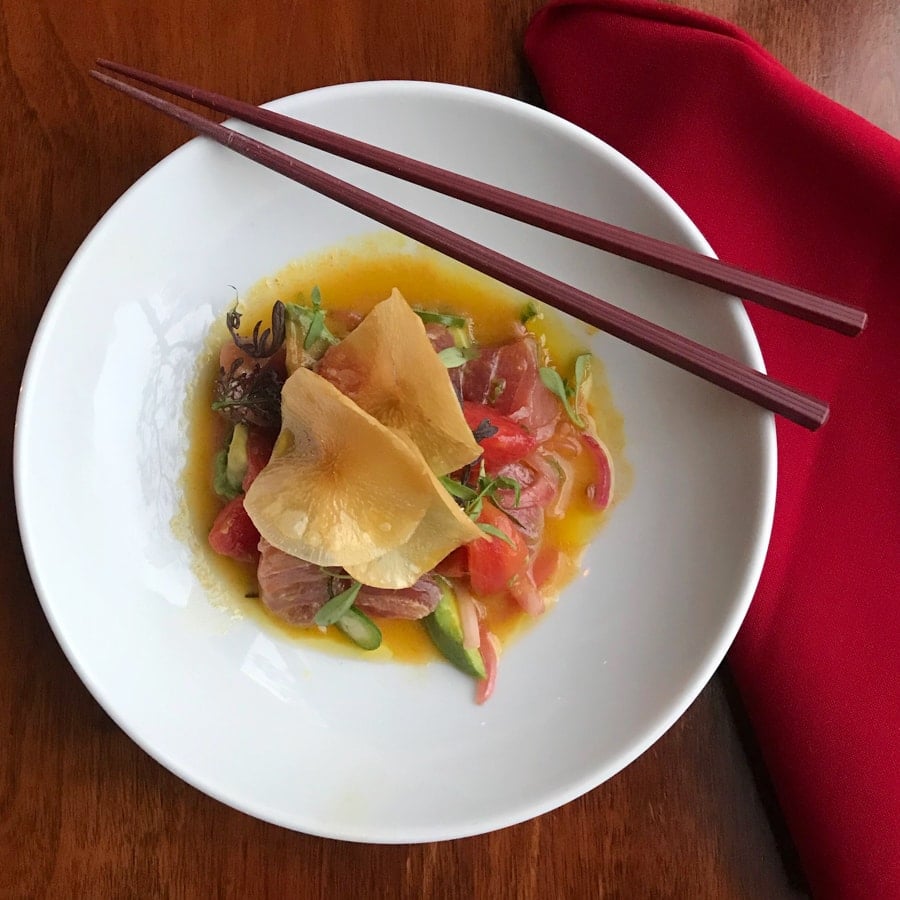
[251, 396]
[259, 346]
[249, 391]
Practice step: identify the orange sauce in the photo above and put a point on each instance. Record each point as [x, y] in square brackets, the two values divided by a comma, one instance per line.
[355, 277]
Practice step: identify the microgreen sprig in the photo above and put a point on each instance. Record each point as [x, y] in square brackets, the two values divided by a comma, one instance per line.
[453, 357]
[472, 499]
[569, 393]
[530, 311]
[311, 319]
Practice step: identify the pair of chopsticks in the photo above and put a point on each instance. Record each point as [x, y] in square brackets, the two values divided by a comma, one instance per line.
[709, 364]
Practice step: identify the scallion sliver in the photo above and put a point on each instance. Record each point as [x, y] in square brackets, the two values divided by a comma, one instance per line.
[360, 629]
[337, 606]
[437, 318]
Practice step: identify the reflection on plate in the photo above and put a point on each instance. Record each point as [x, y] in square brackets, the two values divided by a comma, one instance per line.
[317, 742]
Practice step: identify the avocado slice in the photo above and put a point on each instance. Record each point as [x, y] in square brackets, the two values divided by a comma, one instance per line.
[236, 467]
[445, 630]
[231, 465]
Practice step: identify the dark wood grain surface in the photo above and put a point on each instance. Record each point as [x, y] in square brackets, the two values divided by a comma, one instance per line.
[83, 811]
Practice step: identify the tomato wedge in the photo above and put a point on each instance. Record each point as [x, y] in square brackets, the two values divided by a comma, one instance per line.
[510, 443]
[492, 561]
[233, 534]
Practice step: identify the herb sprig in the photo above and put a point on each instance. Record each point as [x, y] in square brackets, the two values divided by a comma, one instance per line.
[569, 393]
[471, 499]
[530, 311]
[309, 321]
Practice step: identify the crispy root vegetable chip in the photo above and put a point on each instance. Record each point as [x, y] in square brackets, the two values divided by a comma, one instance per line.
[341, 488]
[388, 366]
[443, 528]
[344, 490]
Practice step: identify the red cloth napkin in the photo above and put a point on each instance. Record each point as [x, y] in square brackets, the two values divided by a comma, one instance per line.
[782, 180]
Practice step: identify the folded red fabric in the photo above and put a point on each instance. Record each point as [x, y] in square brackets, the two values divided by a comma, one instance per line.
[784, 181]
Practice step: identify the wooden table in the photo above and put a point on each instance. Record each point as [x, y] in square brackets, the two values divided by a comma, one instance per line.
[83, 811]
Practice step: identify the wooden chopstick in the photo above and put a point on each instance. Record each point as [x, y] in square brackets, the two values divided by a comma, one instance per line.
[709, 364]
[641, 248]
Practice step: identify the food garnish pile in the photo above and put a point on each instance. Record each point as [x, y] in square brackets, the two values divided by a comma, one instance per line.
[386, 466]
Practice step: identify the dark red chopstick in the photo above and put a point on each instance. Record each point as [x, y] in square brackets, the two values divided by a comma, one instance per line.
[711, 365]
[641, 248]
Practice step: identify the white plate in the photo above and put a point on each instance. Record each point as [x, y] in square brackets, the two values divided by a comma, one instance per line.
[314, 742]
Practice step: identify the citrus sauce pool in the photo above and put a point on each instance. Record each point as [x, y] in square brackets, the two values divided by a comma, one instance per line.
[356, 277]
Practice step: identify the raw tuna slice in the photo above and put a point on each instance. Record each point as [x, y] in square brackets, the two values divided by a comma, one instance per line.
[295, 590]
[506, 378]
[414, 602]
[291, 589]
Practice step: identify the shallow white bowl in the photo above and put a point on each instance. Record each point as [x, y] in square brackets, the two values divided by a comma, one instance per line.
[314, 742]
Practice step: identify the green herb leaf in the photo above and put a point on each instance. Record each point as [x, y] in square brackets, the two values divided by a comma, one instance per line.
[452, 357]
[553, 381]
[297, 313]
[337, 606]
[446, 319]
[310, 325]
[509, 484]
[472, 499]
[455, 489]
[497, 533]
[314, 332]
[529, 312]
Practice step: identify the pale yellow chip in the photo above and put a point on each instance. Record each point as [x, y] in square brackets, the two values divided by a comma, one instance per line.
[444, 528]
[389, 367]
[342, 489]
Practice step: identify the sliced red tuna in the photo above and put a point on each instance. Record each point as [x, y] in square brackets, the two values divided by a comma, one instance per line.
[291, 589]
[414, 602]
[295, 590]
[439, 335]
[506, 378]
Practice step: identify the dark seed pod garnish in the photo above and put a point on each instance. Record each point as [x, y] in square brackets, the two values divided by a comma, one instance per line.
[259, 346]
[249, 396]
[484, 430]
